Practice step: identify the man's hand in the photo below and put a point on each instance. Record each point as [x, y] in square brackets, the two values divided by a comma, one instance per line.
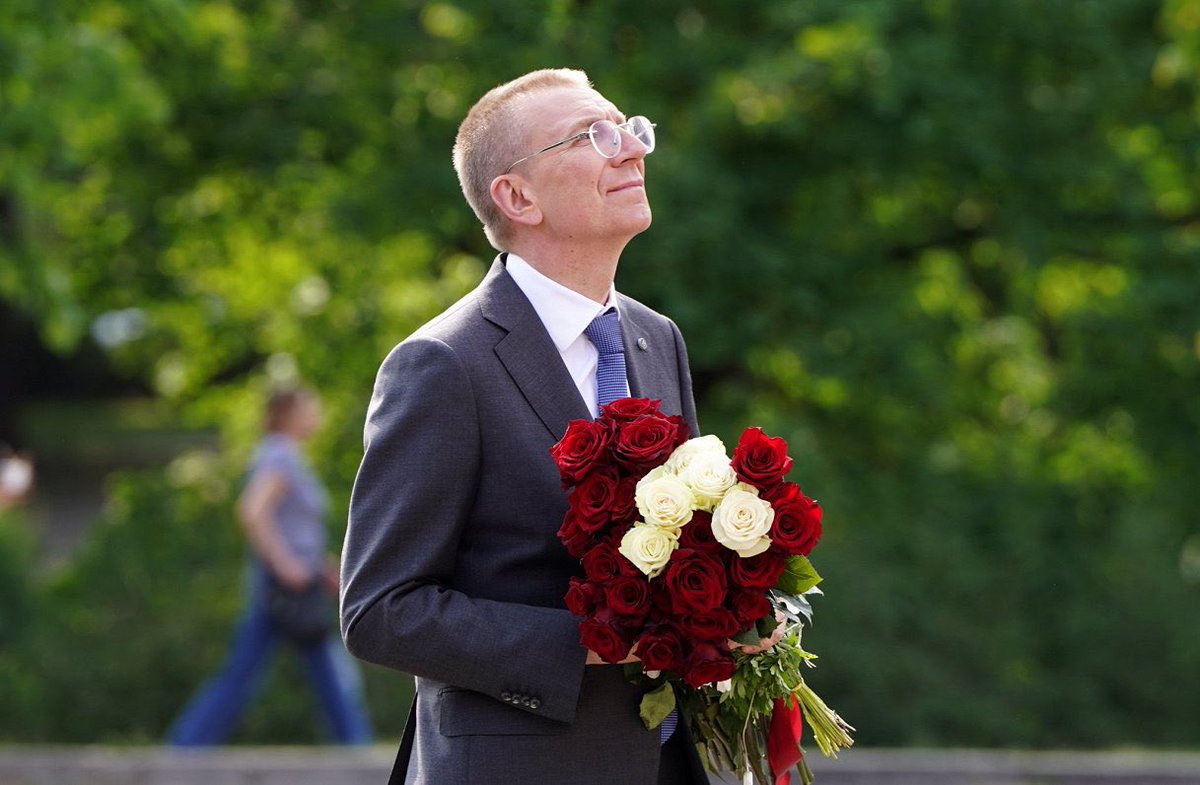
[764, 643]
[594, 659]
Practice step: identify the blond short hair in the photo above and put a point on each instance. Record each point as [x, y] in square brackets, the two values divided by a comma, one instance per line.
[492, 136]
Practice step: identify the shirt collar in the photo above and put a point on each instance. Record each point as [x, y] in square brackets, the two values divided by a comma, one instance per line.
[564, 312]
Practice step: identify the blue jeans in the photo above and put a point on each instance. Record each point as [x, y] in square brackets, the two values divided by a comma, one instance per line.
[213, 712]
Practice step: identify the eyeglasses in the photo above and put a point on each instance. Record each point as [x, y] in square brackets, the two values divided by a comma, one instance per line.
[606, 138]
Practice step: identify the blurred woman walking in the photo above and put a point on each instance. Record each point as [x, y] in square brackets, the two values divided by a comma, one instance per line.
[290, 588]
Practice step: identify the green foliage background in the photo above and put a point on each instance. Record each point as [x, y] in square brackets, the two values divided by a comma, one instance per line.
[950, 249]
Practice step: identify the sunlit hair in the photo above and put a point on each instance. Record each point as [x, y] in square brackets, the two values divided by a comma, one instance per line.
[492, 136]
[282, 403]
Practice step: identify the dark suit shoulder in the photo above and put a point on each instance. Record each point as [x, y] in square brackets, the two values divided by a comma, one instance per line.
[451, 324]
[643, 313]
[638, 308]
[482, 316]
[662, 327]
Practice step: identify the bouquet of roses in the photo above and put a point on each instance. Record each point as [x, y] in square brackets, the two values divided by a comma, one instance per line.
[685, 549]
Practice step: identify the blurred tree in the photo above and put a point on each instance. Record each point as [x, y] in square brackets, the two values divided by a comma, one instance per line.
[948, 248]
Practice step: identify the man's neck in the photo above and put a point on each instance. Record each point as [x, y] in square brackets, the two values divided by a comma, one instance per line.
[588, 271]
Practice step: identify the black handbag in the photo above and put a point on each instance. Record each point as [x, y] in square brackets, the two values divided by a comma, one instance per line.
[302, 616]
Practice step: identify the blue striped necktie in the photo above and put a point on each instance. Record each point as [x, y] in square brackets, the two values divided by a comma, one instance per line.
[668, 727]
[605, 334]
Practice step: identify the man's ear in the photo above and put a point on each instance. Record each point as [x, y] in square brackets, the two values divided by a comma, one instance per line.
[516, 199]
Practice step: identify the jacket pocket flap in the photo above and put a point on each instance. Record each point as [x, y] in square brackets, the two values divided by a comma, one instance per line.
[464, 712]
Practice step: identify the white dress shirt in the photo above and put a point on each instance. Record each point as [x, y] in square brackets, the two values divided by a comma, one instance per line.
[566, 314]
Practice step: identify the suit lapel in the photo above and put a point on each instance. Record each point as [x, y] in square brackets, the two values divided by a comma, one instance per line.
[528, 354]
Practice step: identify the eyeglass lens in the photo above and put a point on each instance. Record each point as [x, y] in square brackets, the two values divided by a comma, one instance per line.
[606, 135]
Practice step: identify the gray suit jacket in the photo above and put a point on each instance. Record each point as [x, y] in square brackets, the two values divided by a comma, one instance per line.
[452, 570]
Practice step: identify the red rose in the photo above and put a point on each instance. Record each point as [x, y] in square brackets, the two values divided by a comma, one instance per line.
[797, 525]
[628, 595]
[660, 596]
[760, 460]
[624, 506]
[749, 607]
[625, 410]
[592, 499]
[661, 649]
[612, 538]
[695, 581]
[601, 562]
[757, 572]
[707, 663]
[581, 448]
[575, 521]
[581, 596]
[697, 534]
[576, 543]
[604, 634]
[573, 537]
[617, 532]
[717, 624]
[648, 441]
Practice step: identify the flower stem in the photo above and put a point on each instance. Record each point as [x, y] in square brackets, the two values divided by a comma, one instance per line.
[831, 731]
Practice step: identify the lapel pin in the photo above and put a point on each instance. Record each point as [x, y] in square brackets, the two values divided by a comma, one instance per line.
[641, 344]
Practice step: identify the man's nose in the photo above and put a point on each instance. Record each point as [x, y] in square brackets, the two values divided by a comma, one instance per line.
[631, 147]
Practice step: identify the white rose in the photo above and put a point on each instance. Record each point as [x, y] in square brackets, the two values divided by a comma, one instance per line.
[709, 475]
[684, 453]
[648, 547]
[664, 500]
[742, 521]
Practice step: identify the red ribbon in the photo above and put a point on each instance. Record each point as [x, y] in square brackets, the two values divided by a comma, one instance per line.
[783, 739]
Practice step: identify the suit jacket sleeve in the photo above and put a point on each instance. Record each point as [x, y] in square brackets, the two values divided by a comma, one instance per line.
[410, 506]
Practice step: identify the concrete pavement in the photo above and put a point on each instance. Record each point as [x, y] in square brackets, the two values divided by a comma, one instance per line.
[53, 765]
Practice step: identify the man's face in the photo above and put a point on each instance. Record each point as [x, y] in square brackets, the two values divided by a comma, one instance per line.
[582, 195]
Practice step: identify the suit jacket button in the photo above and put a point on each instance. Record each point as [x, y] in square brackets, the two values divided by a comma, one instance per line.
[525, 701]
[535, 703]
[506, 696]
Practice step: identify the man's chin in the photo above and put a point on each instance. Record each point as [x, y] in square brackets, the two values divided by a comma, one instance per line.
[629, 225]
[642, 224]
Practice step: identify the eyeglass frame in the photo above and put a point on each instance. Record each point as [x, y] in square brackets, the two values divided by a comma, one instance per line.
[589, 133]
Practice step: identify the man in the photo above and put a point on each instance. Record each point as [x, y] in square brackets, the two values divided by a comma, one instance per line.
[452, 569]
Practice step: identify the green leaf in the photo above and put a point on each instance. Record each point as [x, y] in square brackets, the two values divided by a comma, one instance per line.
[632, 671]
[795, 607]
[765, 626]
[656, 705]
[798, 577]
[748, 637]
